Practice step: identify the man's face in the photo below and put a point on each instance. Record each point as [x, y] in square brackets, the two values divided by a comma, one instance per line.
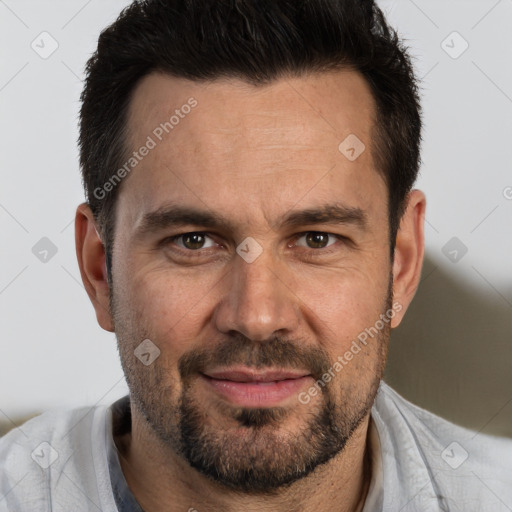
[295, 296]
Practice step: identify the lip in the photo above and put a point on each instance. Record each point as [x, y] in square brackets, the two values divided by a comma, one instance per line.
[248, 375]
[256, 389]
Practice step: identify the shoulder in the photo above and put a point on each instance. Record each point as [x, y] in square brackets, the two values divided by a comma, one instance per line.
[451, 463]
[40, 459]
[438, 432]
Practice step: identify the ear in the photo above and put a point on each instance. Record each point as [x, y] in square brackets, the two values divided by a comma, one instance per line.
[409, 251]
[91, 260]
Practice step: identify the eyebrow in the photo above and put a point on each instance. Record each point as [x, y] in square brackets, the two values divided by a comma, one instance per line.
[172, 216]
[328, 214]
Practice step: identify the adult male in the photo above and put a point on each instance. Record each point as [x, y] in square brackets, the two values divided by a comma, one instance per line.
[251, 236]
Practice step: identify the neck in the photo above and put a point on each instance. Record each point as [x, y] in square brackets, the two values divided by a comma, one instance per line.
[157, 477]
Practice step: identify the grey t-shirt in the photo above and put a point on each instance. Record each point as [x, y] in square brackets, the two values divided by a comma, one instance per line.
[66, 461]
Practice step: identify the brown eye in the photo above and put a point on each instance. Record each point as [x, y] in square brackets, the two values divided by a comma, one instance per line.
[193, 241]
[316, 240]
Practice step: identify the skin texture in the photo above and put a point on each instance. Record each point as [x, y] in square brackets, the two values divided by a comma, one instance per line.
[252, 155]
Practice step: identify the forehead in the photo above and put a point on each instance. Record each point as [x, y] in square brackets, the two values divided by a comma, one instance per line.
[315, 105]
[228, 144]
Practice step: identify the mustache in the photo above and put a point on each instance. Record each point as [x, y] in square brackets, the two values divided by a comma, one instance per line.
[240, 350]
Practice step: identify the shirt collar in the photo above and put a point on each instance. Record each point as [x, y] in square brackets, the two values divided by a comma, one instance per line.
[121, 424]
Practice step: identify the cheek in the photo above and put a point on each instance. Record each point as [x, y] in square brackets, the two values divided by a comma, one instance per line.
[342, 304]
[171, 305]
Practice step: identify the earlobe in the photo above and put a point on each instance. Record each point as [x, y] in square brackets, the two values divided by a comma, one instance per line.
[409, 251]
[90, 253]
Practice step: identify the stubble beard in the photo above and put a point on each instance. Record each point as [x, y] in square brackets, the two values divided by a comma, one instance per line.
[257, 454]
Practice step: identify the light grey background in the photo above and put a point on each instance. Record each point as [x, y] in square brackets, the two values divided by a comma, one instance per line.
[453, 353]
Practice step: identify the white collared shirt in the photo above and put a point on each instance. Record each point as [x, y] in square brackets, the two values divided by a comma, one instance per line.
[66, 461]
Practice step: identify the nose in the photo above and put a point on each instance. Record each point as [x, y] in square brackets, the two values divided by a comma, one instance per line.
[258, 301]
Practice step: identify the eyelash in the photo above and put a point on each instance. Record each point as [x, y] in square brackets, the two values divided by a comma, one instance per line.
[198, 252]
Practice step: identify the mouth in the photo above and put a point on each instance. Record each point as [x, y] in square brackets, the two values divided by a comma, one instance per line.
[250, 388]
[248, 375]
